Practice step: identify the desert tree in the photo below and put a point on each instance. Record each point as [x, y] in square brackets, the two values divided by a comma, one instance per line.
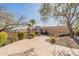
[63, 12]
[7, 20]
[31, 23]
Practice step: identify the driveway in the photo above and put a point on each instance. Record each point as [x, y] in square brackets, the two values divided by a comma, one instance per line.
[36, 47]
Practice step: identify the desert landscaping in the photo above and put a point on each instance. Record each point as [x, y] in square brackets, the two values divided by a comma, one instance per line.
[49, 29]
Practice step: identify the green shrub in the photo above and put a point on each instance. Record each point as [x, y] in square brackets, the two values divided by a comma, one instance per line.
[20, 35]
[3, 38]
[52, 40]
[8, 41]
[31, 35]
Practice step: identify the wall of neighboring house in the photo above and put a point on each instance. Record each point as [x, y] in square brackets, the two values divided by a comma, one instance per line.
[51, 30]
[56, 30]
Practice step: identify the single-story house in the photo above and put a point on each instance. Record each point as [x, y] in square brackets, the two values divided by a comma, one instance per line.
[55, 30]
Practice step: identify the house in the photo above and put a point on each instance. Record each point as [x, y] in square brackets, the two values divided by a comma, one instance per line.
[19, 29]
[37, 29]
[13, 32]
[55, 30]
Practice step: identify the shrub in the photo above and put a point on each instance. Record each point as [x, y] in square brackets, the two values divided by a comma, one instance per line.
[63, 34]
[52, 40]
[32, 35]
[3, 38]
[20, 35]
[8, 41]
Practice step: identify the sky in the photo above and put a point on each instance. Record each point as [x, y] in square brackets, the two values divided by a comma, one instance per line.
[29, 10]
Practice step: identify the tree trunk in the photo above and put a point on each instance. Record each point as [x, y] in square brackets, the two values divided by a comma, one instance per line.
[71, 33]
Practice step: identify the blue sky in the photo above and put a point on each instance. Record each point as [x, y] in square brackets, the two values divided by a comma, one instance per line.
[29, 10]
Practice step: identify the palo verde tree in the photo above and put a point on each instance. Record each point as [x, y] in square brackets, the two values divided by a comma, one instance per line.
[67, 12]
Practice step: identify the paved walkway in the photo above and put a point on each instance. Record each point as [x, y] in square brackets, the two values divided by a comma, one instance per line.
[41, 48]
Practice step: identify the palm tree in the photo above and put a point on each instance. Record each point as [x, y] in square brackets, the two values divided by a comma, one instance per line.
[29, 25]
[32, 22]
